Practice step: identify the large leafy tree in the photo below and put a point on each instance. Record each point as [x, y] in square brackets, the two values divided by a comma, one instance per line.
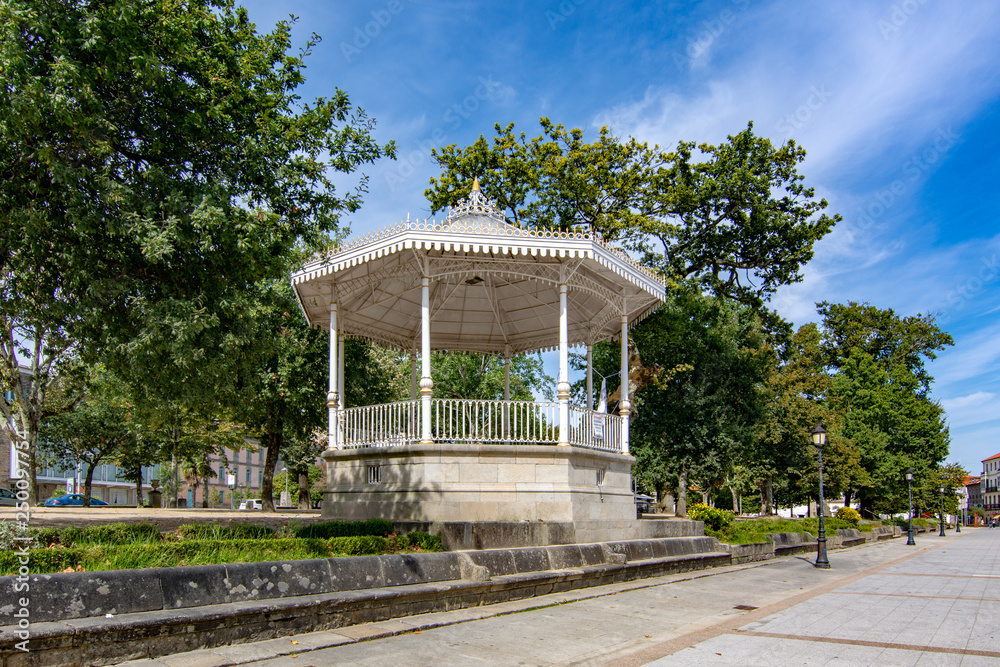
[155, 163]
[694, 419]
[734, 217]
[796, 398]
[882, 388]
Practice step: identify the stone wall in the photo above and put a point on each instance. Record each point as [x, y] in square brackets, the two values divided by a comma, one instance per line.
[444, 482]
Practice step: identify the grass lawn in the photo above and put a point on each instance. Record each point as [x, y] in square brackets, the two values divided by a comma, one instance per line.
[132, 546]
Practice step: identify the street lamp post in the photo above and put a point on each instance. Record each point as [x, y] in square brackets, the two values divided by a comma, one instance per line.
[909, 488]
[819, 440]
[941, 534]
[958, 521]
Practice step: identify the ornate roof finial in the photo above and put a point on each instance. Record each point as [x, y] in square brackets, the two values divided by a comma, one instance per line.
[476, 204]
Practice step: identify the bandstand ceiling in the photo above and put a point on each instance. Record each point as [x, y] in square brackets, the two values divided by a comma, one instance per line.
[493, 286]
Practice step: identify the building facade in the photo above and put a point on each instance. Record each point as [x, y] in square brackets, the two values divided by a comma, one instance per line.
[990, 485]
[975, 499]
[238, 474]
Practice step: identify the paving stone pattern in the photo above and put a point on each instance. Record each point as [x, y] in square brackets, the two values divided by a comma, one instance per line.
[941, 607]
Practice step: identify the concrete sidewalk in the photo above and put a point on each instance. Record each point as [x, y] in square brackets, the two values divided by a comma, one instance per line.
[883, 603]
[940, 607]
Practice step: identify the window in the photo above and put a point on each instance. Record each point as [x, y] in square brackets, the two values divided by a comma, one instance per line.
[222, 474]
[600, 477]
[248, 475]
[375, 474]
[260, 477]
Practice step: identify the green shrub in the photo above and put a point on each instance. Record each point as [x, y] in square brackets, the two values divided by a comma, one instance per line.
[120, 533]
[849, 515]
[715, 519]
[358, 545]
[238, 531]
[47, 536]
[326, 530]
[40, 560]
[420, 540]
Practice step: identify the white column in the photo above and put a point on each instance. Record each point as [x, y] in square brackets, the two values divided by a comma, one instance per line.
[426, 383]
[625, 405]
[506, 392]
[590, 376]
[340, 370]
[331, 396]
[562, 387]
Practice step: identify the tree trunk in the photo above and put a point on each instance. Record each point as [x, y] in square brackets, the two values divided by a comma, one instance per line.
[87, 483]
[736, 503]
[138, 486]
[682, 492]
[270, 463]
[305, 501]
[847, 497]
[769, 490]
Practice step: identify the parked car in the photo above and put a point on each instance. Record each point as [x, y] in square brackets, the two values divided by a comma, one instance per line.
[645, 504]
[72, 500]
[7, 498]
[251, 505]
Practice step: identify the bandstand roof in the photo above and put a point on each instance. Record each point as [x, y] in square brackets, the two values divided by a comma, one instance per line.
[493, 287]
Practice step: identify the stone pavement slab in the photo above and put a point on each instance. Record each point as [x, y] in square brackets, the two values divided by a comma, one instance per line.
[861, 611]
[940, 607]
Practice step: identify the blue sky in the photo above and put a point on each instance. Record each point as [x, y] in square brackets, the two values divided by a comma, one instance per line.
[897, 104]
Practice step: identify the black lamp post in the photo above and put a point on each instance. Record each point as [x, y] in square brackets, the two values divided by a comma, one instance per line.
[819, 440]
[941, 534]
[958, 521]
[909, 488]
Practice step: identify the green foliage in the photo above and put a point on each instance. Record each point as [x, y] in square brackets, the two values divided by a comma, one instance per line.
[15, 535]
[236, 531]
[745, 531]
[481, 376]
[329, 529]
[158, 163]
[701, 408]
[849, 515]
[741, 210]
[420, 540]
[715, 519]
[358, 545]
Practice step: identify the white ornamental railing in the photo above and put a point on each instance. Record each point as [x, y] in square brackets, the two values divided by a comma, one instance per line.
[471, 421]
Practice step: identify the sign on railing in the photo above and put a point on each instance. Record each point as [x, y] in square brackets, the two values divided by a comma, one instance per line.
[471, 421]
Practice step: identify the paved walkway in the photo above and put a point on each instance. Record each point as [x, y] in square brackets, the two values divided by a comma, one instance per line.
[887, 604]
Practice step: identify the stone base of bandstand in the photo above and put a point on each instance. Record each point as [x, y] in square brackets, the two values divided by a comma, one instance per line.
[577, 495]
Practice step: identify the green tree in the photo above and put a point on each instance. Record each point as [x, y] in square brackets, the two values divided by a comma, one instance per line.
[94, 431]
[481, 376]
[283, 379]
[740, 222]
[889, 339]
[796, 398]
[156, 161]
[881, 388]
[693, 420]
